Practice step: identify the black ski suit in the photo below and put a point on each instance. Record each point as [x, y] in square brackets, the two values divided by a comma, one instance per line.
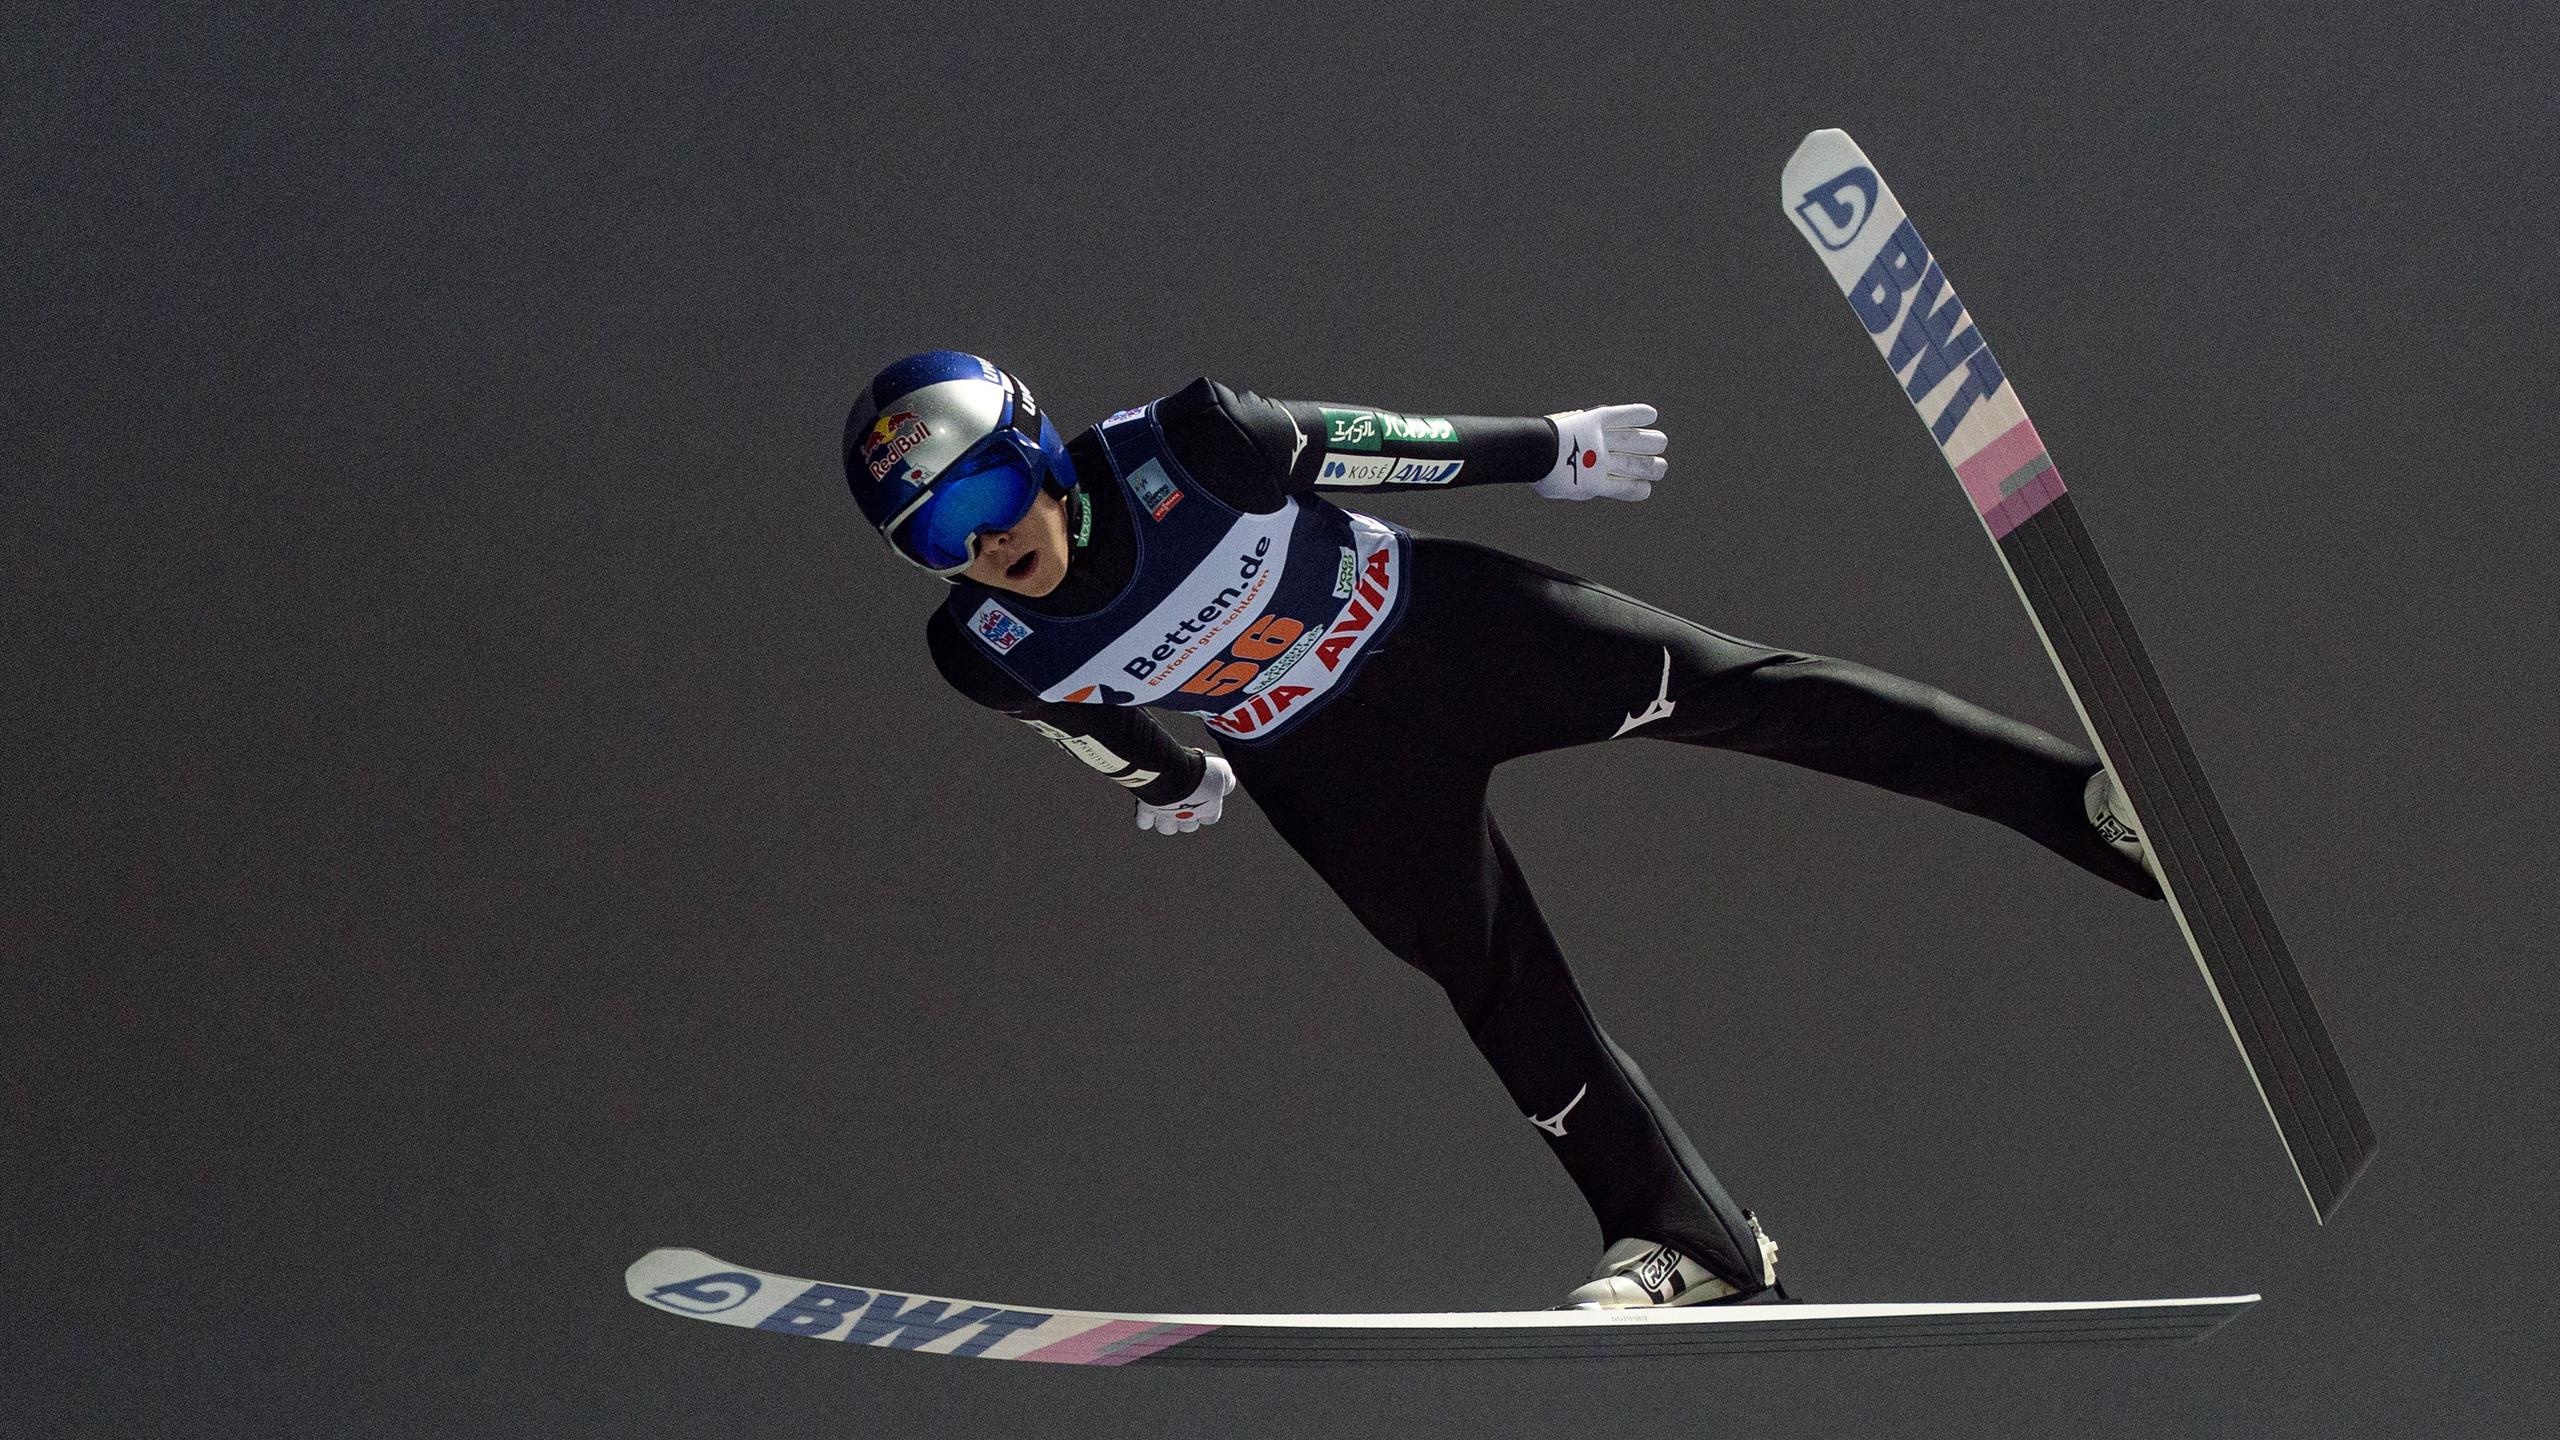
[1383, 790]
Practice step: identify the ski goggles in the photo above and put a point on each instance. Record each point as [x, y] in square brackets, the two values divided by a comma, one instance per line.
[990, 487]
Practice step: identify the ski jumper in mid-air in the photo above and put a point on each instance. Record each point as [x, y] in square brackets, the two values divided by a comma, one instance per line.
[1363, 681]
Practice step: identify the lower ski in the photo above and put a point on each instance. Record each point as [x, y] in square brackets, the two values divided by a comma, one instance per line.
[695, 1285]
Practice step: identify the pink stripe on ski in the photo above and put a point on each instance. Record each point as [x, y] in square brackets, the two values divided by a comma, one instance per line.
[1169, 1337]
[2031, 497]
[1983, 471]
[1089, 1348]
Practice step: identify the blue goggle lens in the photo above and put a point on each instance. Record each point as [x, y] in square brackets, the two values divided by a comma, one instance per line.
[988, 489]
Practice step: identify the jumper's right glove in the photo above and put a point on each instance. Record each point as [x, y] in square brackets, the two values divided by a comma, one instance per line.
[1201, 807]
[1605, 454]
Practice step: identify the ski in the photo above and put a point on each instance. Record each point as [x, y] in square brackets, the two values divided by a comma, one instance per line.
[695, 1285]
[1901, 294]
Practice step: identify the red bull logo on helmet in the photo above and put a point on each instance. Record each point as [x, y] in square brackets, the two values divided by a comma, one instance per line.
[891, 437]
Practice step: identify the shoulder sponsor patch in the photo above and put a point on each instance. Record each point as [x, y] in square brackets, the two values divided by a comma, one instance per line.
[1346, 574]
[997, 626]
[1353, 469]
[1123, 417]
[1425, 472]
[1155, 489]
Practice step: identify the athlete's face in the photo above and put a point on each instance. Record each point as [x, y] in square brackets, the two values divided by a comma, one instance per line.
[1029, 559]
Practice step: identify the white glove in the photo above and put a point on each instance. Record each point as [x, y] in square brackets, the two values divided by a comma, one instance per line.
[1200, 807]
[1605, 454]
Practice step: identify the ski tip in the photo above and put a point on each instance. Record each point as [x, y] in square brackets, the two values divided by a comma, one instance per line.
[1822, 156]
[657, 1267]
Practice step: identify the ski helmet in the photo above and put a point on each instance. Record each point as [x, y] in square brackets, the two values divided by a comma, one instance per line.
[943, 447]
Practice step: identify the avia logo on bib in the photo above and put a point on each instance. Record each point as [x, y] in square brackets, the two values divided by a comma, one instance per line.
[1371, 598]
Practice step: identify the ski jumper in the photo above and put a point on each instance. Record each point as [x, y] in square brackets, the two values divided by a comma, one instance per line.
[1379, 778]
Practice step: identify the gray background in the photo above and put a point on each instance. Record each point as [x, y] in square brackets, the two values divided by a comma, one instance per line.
[477, 806]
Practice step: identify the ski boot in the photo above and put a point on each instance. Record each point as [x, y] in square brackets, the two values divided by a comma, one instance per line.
[1633, 1274]
[2107, 810]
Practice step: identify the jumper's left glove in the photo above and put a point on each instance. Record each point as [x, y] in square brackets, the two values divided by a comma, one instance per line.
[1201, 807]
[1605, 454]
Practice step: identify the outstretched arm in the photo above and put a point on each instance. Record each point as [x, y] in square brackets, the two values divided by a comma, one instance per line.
[1294, 446]
[1177, 788]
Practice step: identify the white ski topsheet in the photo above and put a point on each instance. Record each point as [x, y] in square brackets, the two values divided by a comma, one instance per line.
[1901, 295]
[701, 1287]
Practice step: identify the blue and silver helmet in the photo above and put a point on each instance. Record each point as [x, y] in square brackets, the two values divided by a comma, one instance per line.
[944, 447]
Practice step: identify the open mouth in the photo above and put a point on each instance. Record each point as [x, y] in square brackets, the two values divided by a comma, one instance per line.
[1021, 569]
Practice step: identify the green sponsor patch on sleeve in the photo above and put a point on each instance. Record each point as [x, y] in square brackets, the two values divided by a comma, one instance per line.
[1367, 429]
[1350, 429]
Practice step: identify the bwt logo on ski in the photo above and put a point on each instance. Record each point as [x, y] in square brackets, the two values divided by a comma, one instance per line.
[1935, 340]
[709, 1295]
[903, 1322]
[1837, 209]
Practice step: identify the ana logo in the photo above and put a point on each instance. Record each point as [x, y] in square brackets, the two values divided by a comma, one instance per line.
[997, 626]
[709, 1295]
[1353, 469]
[891, 437]
[1346, 574]
[1351, 429]
[1155, 489]
[1425, 472]
[1837, 209]
[1418, 427]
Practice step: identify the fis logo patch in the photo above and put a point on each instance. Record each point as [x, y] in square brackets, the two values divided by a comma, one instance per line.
[1837, 209]
[1155, 489]
[708, 1295]
[997, 626]
[1425, 472]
